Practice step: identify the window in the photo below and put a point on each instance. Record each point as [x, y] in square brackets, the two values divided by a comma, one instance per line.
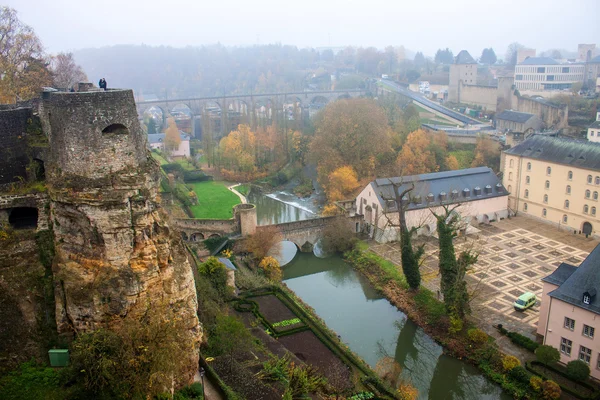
[595, 196]
[527, 180]
[528, 166]
[541, 70]
[547, 184]
[598, 364]
[568, 189]
[512, 163]
[569, 323]
[510, 176]
[545, 198]
[548, 171]
[588, 331]
[565, 346]
[565, 70]
[519, 77]
[585, 209]
[589, 179]
[570, 175]
[544, 213]
[549, 77]
[593, 211]
[565, 218]
[509, 188]
[524, 206]
[587, 194]
[597, 180]
[526, 193]
[567, 204]
[585, 354]
[586, 299]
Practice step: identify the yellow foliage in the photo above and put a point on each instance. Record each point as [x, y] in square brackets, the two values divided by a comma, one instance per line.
[536, 383]
[342, 182]
[330, 210]
[406, 391]
[172, 138]
[452, 163]
[510, 362]
[271, 268]
[414, 158]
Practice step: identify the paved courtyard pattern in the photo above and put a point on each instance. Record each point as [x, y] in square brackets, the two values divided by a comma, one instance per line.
[514, 255]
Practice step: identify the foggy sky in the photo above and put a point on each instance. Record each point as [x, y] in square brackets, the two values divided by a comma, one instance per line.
[419, 25]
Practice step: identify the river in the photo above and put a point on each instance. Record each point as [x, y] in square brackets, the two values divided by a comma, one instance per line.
[369, 324]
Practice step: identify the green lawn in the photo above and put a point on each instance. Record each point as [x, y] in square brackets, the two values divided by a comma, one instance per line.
[215, 201]
[186, 164]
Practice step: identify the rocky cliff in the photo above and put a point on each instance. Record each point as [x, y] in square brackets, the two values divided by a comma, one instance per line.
[115, 253]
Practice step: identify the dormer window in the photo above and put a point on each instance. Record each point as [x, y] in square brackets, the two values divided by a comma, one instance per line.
[588, 295]
[586, 299]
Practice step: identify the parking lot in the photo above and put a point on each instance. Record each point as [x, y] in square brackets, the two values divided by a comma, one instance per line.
[514, 255]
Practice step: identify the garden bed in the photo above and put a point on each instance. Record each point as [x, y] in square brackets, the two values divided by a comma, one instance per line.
[277, 314]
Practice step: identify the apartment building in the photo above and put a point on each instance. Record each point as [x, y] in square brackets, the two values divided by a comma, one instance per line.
[555, 179]
[545, 73]
[570, 312]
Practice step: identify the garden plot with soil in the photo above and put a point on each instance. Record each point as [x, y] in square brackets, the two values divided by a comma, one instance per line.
[292, 328]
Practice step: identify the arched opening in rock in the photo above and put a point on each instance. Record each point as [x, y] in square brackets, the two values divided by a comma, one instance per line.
[23, 218]
[115, 129]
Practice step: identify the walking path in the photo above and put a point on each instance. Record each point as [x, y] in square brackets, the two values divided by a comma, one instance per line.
[241, 196]
[210, 391]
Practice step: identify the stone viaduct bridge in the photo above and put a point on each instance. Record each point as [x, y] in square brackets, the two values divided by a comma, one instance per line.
[304, 234]
[248, 104]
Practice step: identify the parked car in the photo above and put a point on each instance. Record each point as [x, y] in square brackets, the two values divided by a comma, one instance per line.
[525, 301]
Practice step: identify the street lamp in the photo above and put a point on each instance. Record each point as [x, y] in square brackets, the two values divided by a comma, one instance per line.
[202, 379]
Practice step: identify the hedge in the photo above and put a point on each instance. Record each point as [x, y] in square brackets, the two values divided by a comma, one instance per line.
[522, 341]
[196, 176]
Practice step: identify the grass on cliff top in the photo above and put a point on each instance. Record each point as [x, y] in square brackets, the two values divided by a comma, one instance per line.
[159, 158]
[215, 201]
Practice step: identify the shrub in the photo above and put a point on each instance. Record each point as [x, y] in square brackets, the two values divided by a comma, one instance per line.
[196, 176]
[477, 336]
[271, 268]
[213, 243]
[456, 324]
[523, 341]
[550, 390]
[510, 362]
[536, 383]
[547, 354]
[174, 168]
[193, 391]
[520, 374]
[216, 273]
[578, 370]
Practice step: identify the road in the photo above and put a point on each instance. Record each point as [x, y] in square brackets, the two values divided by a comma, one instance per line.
[419, 98]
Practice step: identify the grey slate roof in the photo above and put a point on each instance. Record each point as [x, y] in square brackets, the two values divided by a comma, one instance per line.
[595, 60]
[160, 137]
[560, 275]
[595, 124]
[464, 58]
[447, 187]
[514, 116]
[584, 279]
[227, 263]
[560, 150]
[539, 61]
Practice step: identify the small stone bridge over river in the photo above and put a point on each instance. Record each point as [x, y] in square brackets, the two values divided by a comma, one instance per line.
[303, 234]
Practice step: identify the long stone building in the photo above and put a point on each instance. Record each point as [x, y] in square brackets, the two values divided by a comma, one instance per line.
[556, 180]
[478, 191]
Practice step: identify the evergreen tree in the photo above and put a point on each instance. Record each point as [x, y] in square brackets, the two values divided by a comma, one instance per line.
[151, 126]
[444, 56]
[453, 285]
[419, 59]
[410, 257]
[488, 56]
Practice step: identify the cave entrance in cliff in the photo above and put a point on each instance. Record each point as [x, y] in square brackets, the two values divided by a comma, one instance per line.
[23, 218]
[38, 169]
[115, 129]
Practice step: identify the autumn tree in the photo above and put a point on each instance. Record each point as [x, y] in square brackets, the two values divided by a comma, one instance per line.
[66, 72]
[338, 236]
[487, 153]
[23, 68]
[452, 269]
[414, 157]
[172, 137]
[238, 150]
[349, 133]
[271, 269]
[452, 163]
[265, 240]
[341, 183]
[301, 146]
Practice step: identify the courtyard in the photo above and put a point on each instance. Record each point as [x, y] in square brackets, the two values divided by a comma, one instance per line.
[514, 255]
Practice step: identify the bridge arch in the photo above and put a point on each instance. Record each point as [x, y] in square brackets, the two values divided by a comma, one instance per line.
[344, 96]
[321, 100]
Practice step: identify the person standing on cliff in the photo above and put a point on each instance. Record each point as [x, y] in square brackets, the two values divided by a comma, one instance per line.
[102, 83]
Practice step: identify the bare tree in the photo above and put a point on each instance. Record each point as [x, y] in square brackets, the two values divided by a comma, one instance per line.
[511, 53]
[66, 72]
[23, 69]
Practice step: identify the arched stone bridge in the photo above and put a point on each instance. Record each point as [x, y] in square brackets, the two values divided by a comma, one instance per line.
[243, 103]
[303, 234]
